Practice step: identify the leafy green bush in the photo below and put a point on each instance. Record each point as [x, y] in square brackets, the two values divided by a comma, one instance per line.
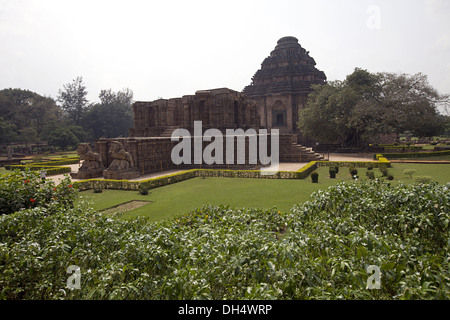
[332, 172]
[415, 155]
[25, 189]
[98, 190]
[384, 171]
[370, 174]
[423, 179]
[50, 170]
[319, 250]
[143, 191]
[409, 172]
[315, 177]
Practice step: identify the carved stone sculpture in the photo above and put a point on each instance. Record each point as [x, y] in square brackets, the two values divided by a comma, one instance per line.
[92, 166]
[122, 159]
[122, 166]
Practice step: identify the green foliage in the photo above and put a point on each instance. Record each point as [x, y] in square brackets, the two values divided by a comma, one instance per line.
[318, 250]
[25, 189]
[366, 105]
[143, 191]
[25, 115]
[49, 169]
[98, 190]
[332, 171]
[384, 171]
[409, 172]
[112, 117]
[424, 179]
[63, 139]
[315, 177]
[73, 99]
[413, 155]
[370, 174]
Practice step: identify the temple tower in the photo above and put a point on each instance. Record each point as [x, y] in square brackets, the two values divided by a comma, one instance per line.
[281, 87]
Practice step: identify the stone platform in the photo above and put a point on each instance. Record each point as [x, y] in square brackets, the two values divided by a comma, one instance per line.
[127, 174]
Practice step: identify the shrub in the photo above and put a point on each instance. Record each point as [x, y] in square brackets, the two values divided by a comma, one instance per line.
[25, 189]
[390, 177]
[318, 250]
[353, 172]
[98, 190]
[409, 172]
[384, 171]
[315, 177]
[424, 179]
[143, 191]
[332, 172]
[370, 174]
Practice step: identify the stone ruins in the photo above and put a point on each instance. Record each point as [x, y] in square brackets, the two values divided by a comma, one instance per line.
[277, 92]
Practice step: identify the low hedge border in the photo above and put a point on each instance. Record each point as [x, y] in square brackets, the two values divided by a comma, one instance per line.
[59, 161]
[152, 183]
[50, 170]
[382, 162]
[413, 155]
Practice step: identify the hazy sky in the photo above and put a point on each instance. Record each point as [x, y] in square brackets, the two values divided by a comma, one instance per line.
[173, 48]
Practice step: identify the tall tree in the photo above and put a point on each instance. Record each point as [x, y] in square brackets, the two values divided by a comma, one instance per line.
[73, 100]
[27, 113]
[366, 105]
[113, 116]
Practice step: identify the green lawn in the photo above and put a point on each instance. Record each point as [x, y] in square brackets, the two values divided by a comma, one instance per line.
[182, 197]
[439, 158]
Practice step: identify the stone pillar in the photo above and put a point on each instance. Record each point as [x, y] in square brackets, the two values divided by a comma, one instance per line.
[102, 145]
[132, 149]
[9, 150]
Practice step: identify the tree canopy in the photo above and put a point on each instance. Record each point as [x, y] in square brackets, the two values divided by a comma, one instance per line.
[27, 117]
[366, 105]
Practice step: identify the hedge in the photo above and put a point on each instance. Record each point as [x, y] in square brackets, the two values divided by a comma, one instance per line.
[382, 162]
[50, 170]
[135, 185]
[189, 174]
[60, 161]
[414, 155]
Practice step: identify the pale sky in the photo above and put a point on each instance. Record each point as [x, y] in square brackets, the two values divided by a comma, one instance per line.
[173, 48]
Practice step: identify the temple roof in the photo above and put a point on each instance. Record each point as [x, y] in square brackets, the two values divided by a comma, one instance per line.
[288, 69]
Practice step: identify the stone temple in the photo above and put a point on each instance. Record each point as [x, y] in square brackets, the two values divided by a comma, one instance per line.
[278, 90]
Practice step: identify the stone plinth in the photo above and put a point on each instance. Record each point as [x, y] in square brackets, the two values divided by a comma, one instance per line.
[127, 174]
[87, 174]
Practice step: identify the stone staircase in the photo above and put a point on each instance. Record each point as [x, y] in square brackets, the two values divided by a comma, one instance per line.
[291, 151]
[168, 131]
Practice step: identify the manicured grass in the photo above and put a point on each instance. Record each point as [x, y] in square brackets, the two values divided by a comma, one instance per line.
[438, 172]
[440, 158]
[180, 198]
